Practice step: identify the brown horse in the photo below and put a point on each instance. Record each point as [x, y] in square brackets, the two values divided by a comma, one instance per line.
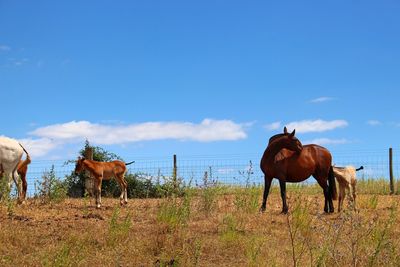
[22, 171]
[287, 160]
[105, 171]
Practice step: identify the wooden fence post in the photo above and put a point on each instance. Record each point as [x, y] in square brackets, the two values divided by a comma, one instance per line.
[391, 171]
[89, 181]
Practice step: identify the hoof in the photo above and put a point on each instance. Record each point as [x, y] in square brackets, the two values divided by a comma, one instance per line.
[98, 206]
[262, 209]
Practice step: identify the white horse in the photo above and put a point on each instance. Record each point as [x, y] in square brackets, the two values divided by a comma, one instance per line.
[347, 179]
[10, 155]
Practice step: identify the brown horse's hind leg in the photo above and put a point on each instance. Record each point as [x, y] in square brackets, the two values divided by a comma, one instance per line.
[283, 196]
[267, 186]
[125, 191]
[324, 185]
[123, 185]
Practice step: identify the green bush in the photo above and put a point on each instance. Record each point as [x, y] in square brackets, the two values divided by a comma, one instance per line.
[51, 188]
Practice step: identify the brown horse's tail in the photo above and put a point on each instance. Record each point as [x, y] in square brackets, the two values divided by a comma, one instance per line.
[332, 184]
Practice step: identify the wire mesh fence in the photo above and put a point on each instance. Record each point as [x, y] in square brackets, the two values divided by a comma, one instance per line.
[232, 169]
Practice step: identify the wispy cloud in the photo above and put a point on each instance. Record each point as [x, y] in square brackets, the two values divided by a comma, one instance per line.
[39, 63]
[18, 62]
[65, 62]
[5, 48]
[308, 126]
[327, 141]
[374, 122]
[321, 99]
[207, 131]
[39, 147]
[273, 126]
[46, 139]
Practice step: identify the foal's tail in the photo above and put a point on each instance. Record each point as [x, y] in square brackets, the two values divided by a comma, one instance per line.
[332, 184]
[28, 158]
[361, 168]
[128, 163]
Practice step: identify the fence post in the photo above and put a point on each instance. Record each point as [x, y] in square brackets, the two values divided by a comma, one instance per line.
[391, 171]
[89, 181]
[175, 173]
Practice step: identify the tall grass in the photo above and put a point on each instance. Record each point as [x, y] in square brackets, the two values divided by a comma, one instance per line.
[118, 227]
[175, 212]
[5, 197]
[180, 233]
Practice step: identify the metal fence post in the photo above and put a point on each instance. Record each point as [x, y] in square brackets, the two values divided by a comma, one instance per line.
[391, 171]
[175, 173]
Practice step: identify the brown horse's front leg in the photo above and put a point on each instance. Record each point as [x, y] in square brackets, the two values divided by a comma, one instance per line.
[285, 208]
[98, 192]
[267, 186]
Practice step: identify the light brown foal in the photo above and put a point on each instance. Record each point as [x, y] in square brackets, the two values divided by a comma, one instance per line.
[105, 171]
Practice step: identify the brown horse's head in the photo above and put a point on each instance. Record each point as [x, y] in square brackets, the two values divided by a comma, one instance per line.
[274, 137]
[294, 143]
[79, 165]
[288, 141]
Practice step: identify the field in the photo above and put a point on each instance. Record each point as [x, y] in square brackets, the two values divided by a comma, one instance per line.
[210, 227]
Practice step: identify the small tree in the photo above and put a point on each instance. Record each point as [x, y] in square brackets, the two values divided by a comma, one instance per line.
[51, 188]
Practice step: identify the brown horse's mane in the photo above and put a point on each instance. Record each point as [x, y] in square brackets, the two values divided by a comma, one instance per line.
[284, 153]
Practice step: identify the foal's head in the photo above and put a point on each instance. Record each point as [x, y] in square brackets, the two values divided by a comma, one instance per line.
[79, 165]
[289, 141]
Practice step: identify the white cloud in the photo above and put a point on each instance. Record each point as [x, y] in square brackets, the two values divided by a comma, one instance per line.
[327, 141]
[5, 48]
[207, 131]
[374, 122]
[308, 126]
[273, 126]
[38, 147]
[321, 99]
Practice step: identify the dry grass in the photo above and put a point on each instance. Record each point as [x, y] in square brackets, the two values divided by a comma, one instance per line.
[182, 232]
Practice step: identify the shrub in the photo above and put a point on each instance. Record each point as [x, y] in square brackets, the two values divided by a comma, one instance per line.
[50, 188]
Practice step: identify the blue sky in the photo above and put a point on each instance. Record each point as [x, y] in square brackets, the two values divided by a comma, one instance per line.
[154, 78]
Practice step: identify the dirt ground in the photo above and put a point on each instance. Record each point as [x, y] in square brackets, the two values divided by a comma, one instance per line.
[158, 232]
